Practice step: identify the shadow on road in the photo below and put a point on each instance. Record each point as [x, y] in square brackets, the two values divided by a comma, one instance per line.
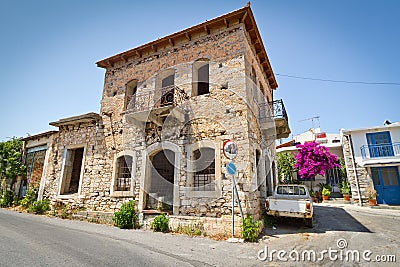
[325, 219]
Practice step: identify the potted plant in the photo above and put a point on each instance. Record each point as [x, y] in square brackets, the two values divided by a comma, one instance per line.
[326, 193]
[345, 190]
[318, 196]
[371, 194]
[312, 194]
[322, 186]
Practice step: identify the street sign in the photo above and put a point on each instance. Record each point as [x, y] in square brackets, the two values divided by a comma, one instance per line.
[230, 149]
[231, 168]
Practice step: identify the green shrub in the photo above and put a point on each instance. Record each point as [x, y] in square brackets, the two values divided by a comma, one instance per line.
[311, 192]
[64, 212]
[160, 223]
[126, 217]
[29, 198]
[39, 206]
[194, 229]
[326, 192]
[322, 186]
[250, 229]
[345, 188]
[6, 198]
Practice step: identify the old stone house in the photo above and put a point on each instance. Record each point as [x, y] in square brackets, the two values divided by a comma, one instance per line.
[167, 107]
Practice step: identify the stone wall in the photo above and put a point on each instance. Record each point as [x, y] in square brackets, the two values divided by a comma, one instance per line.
[222, 114]
[363, 177]
[97, 165]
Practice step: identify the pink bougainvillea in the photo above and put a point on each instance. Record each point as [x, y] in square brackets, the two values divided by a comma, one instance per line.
[314, 159]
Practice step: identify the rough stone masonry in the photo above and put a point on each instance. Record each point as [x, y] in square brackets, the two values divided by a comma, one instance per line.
[166, 108]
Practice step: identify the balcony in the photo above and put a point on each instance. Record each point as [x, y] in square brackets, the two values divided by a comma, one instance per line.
[380, 151]
[153, 105]
[281, 119]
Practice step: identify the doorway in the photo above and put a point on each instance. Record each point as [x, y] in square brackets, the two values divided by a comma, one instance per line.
[160, 181]
[72, 171]
[387, 185]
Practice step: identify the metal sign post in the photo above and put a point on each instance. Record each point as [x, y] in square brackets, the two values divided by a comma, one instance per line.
[231, 168]
[230, 151]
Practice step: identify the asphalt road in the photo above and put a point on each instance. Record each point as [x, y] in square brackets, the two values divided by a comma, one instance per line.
[361, 228]
[31, 240]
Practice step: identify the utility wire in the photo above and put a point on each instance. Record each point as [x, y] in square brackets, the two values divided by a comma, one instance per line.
[336, 81]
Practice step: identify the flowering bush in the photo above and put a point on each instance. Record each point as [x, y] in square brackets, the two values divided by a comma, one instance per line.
[314, 159]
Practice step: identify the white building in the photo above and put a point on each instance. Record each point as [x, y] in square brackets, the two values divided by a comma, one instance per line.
[329, 140]
[372, 158]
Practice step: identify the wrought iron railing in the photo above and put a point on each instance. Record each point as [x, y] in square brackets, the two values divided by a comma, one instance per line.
[279, 109]
[166, 96]
[123, 183]
[380, 151]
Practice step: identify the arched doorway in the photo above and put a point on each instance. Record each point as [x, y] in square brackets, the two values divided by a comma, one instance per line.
[160, 181]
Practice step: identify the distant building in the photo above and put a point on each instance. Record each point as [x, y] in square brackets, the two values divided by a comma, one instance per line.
[372, 157]
[35, 154]
[329, 140]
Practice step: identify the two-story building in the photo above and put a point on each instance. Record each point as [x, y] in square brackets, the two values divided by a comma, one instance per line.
[166, 109]
[332, 142]
[372, 157]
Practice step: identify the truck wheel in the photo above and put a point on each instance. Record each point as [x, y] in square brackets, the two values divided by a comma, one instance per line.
[308, 222]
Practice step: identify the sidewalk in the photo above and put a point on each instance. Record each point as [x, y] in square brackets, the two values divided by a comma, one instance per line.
[377, 210]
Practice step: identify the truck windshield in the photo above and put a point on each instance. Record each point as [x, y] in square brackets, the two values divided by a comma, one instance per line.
[291, 190]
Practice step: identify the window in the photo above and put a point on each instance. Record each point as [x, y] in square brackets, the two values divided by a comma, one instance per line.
[168, 81]
[123, 173]
[380, 144]
[389, 176]
[258, 169]
[164, 94]
[35, 163]
[201, 70]
[204, 169]
[253, 77]
[72, 171]
[130, 94]
[291, 190]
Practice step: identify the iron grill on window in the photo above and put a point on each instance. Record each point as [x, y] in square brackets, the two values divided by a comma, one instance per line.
[124, 178]
[204, 175]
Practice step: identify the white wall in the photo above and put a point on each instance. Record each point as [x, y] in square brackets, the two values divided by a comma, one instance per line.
[359, 138]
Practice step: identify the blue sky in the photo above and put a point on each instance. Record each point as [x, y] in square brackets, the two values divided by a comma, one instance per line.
[49, 48]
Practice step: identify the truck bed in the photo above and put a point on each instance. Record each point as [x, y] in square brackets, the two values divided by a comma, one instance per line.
[288, 207]
[290, 201]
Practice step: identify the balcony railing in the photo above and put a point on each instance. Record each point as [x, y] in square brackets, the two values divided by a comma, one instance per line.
[279, 110]
[380, 151]
[153, 99]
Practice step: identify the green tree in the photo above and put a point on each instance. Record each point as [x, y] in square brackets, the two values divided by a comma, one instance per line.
[11, 164]
[285, 162]
[343, 169]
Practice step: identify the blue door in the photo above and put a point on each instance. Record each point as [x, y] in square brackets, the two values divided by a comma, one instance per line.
[380, 144]
[387, 185]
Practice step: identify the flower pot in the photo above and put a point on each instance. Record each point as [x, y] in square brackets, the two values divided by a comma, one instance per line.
[312, 198]
[372, 202]
[325, 198]
[346, 197]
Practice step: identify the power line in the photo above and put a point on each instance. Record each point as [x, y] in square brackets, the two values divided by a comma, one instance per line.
[336, 81]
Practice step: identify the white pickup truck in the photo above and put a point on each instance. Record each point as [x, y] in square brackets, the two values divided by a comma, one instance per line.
[291, 200]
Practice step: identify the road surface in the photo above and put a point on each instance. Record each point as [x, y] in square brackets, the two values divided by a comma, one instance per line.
[32, 240]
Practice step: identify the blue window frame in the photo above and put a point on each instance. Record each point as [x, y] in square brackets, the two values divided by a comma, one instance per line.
[380, 144]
